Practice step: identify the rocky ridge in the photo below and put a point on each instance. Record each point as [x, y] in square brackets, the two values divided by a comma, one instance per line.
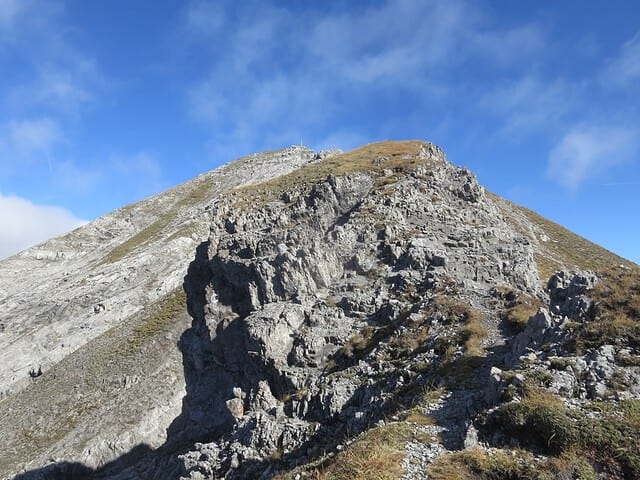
[359, 293]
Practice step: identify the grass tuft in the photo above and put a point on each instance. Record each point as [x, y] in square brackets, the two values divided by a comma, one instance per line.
[541, 421]
[377, 454]
[616, 312]
[495, 464]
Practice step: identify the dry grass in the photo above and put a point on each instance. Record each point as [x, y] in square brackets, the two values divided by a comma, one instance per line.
[158, 317]
[566, 249]
[141, 238]
[542, 422]
[518, 316]
[472, 328]
[200, 190]
[473, 332]
[519, 309]
[415, 337]
[373, 158]
[478, 464]
[616, 314]
[377, 454]
[199, 230]
[417, 415]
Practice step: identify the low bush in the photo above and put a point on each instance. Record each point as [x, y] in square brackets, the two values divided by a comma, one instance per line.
[611, 439]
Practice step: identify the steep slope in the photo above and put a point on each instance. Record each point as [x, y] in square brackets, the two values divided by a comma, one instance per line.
[82, 309]
[380, 288]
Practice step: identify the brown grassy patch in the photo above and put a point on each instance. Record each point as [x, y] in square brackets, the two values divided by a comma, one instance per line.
[473, 332]
[567, 249]
[141, 238]
[415, 337]
[541, 421]
[616, 313]
[478, 464]
[472, 328]
[417, 415]
[373, 158]
[375, 455]
[519, 308]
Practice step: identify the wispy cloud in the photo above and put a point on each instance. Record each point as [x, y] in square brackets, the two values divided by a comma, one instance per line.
[281, 74]
[624, 69]
[34, 135]
[43, 98]
[24, 223]
[10, 10]
[586, 152]
[52, 73]
[530, 103]
[28, 142]
[139, 174]
[204, 18]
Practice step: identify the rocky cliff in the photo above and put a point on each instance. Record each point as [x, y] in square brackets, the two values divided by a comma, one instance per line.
[348, 314]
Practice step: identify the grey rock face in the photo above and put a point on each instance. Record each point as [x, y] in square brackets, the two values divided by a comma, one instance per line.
[300, 278]
[568, 293]
[64, 301]
[312, 314]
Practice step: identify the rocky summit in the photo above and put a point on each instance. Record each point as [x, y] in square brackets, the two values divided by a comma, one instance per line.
[290, 315]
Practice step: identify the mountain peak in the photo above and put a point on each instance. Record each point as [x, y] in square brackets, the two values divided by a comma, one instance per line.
[257, 317]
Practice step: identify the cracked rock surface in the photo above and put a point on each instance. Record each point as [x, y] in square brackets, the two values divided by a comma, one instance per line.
[262, 316]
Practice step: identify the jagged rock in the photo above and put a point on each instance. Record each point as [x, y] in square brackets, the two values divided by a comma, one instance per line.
[567, 293]
[318, 306]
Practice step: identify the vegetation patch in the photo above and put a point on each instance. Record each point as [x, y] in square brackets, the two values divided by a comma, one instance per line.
[154, 320]
[141, 238]
[374, 158]
[616, 312]
[198, 193]
[158, 318]
[518, 308]
[188, 231]
[377, 454]
[471, 329]
[414, 338]
[542, 422]
[496, 464]
[565, 248]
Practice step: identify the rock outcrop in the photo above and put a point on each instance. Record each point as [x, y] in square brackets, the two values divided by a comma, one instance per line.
[335, 294]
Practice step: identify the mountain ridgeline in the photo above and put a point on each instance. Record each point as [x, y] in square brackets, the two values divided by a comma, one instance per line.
[293, 314]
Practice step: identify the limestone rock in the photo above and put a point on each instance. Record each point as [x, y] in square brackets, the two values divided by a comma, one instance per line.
[262, 315]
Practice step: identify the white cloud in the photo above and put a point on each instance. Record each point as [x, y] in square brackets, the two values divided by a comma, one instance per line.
[9, 12]
[624, 70]
[204, 18]
[23, 223]
[529, 103]
[278, 73]
[37, 135]
[586, 152]
[56, 73]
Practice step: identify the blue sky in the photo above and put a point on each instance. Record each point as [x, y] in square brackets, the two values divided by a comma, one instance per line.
[103, 103]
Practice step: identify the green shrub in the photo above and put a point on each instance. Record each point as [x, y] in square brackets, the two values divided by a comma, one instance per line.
[541, 421]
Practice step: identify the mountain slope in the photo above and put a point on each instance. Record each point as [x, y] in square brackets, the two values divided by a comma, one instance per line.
[333, 291]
